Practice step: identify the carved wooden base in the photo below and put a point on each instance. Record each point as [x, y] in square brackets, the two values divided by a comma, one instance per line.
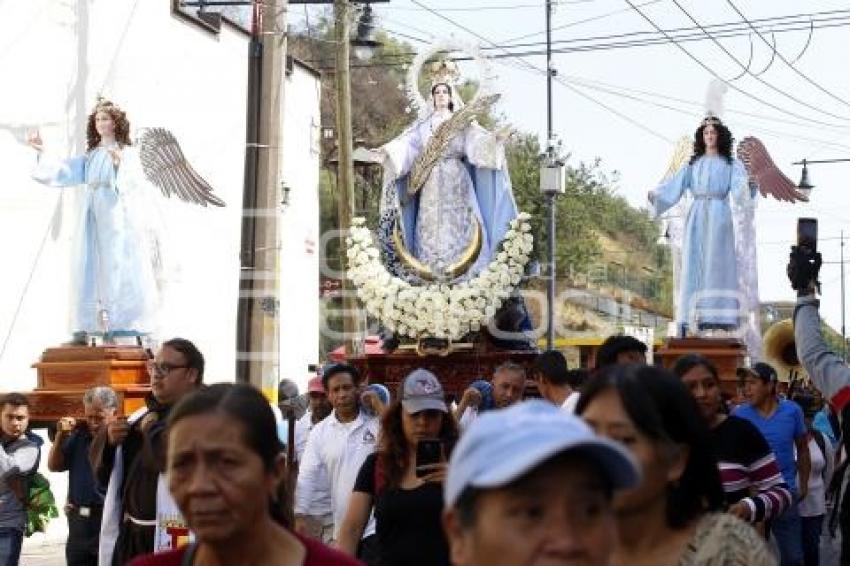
[455, 371]
[727, 354]
[65, 372]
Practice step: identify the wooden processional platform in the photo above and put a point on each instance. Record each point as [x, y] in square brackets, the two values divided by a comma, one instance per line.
[455, 370]
[727, 354]
[66, 372]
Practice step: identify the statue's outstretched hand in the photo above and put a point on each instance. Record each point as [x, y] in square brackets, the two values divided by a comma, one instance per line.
[34, 141]
[504, 134]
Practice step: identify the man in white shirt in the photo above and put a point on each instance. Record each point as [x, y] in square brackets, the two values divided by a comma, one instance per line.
[507, 388]
[555, 382]
[335, 451]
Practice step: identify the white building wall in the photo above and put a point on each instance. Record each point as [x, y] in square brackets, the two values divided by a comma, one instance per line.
[55, 58]
[299, 227]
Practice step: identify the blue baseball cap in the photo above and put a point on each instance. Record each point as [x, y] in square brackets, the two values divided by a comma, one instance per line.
[503, 445]
[420, 391]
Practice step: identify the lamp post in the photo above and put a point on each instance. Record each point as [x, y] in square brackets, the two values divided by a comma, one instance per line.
[805, 186]
[552, 182]
[364, 45]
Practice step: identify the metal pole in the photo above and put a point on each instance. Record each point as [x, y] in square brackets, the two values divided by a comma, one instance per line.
[549, 132]
[257, 346]
[345, 166]
[843, 332]
[550, 152]
[247, 254]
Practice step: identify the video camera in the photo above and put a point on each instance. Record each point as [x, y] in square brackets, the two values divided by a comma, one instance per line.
[805, 260]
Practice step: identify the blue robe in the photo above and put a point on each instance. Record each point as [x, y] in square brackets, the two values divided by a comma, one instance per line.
[708, 287]
[113, 287]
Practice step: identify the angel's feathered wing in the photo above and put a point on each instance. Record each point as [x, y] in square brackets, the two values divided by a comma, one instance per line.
[764, 173]
[165, 166]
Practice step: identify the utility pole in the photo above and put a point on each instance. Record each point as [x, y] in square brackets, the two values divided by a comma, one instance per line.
[843, 332]
[551, 182]
[257, 320]
[345, 175]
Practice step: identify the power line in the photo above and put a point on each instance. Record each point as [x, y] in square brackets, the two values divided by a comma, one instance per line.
[747, 71]
[486, 7]
[824, 20]
[470, 8]
[508, 54]
[576, 22]
[714, 73]
[614, 111]
[784, 60]
[700, 105]
[756, 128]
[645, 42]
[770, 23]
[536, 69]
[406, 36]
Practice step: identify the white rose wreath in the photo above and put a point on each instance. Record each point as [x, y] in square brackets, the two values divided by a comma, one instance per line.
[437, 310]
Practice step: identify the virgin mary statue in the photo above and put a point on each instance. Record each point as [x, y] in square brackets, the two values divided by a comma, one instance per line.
[446, 202]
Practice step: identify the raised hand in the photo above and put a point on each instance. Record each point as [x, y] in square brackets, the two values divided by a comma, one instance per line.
[34, 141]
[117, 431]
[504, 134]
[471, 397]
[65, 425]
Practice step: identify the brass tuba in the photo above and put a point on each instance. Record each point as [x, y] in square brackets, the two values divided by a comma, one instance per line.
[780, 351]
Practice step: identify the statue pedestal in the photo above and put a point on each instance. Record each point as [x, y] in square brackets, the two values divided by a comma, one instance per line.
[727, 354]
[66, 372]
[455, 371]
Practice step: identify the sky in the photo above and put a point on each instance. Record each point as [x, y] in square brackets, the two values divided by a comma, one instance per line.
[628, 106]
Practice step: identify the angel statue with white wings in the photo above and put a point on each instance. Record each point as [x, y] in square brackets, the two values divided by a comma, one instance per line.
[447, 201]
[713, 228]
[117, 257]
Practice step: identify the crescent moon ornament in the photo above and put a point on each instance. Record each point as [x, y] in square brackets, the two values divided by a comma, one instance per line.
[459, 267]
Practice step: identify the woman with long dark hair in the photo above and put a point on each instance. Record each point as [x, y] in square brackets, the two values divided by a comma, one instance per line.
[226, 471]
[672, 517]
[407, 498]
[755, 490]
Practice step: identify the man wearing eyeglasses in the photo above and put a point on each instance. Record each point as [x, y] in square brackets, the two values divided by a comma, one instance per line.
[128, 457]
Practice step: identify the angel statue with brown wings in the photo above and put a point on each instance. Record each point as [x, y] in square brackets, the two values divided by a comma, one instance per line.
[117, 257]
[715, 192]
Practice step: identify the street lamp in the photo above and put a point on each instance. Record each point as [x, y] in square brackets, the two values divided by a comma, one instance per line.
[805, 186]
[364, 42]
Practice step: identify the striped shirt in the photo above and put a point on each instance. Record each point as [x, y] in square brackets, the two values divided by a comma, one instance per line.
[749, 470]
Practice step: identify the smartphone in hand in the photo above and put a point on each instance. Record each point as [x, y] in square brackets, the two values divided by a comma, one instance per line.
[428, 453]
[807, 234]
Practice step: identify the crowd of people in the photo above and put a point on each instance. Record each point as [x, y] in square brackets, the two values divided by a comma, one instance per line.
[625, 463]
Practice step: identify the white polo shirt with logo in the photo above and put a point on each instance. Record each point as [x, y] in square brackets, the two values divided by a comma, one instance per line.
[338, 449]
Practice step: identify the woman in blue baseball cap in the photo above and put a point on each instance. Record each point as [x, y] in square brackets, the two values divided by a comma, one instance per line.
[407, 501]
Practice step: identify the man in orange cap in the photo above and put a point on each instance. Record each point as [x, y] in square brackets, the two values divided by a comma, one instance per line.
[318, 407]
